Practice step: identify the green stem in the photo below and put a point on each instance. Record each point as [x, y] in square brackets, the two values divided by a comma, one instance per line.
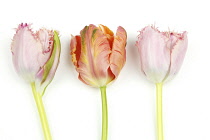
[42, 114]
[159, 111]
[104, 114]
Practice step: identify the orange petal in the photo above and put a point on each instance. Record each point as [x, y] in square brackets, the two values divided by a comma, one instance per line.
[75, 47]
[109, 34]
[106, 30]
[94, 60]
[118, 55]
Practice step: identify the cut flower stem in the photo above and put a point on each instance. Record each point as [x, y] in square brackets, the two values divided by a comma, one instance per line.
[159, 111]
[104, 114]
[42, 114]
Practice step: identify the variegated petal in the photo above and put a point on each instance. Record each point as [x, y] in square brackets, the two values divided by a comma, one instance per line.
[93, 64]
[118, 55]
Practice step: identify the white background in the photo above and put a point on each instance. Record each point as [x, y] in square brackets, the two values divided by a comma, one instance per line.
[73, 108]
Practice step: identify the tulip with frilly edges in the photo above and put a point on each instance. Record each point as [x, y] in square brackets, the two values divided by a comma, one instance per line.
[161, 56]
[36, 57]
[99, 56]
[161, 53]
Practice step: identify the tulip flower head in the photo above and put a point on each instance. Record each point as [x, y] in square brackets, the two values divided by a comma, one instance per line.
[98, 54]
[161, 53]
[36, 55]
[161, 56]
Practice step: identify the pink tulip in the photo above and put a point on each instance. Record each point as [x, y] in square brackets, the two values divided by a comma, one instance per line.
[161, 53]
[36, 55]
[161, 56]
[98, 54]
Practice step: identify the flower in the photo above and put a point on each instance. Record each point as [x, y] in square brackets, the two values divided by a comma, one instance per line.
[36, 55]
[98, 54]
[161, 53]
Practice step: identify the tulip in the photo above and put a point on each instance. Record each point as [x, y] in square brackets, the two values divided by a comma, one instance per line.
[99, 56]
[36, 57]
[161, 56]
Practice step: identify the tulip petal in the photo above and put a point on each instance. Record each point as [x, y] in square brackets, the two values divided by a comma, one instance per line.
[178, 53]
[49, 69]
[106, 30]
[109, 34]
[118, 55]
[75, 47]
[155, 55]
[94, 58]
[26, 49]
[46, 38]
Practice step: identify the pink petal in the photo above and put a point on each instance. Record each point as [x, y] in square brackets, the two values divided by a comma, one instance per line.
[118, 55]
[50, 66]
[26, 49]
[46, 38]
[178, 53]
[154, 53]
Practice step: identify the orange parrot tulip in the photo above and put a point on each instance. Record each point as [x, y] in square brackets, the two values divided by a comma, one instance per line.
[99, 56]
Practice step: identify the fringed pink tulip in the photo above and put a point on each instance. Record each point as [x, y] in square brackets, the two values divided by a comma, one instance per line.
[99, 56]
[161, 53]
[36, 57]
[161, 56]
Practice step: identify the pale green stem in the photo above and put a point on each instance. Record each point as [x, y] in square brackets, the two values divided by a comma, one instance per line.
[159, 111]
[104, 114]
[42, 114]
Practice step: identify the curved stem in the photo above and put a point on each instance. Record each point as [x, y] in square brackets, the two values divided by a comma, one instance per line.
[42, 114]
[104, 114]
[159, 111]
